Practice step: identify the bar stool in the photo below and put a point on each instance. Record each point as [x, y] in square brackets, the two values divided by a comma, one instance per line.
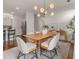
[4, 39]
[11, 34]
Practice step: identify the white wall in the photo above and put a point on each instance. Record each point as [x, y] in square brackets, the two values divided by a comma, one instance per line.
[60, 19]
[16, 23]
[29, 22]
[7, 19]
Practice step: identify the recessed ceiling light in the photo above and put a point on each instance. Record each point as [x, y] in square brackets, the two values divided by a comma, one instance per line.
[17, 8]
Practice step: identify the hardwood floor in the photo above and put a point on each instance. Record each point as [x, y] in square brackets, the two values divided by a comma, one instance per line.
[70, 54]
[8, 46]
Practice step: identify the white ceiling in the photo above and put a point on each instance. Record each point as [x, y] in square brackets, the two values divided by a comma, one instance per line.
[27, 5]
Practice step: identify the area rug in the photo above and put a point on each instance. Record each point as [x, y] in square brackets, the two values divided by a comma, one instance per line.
[62, 52]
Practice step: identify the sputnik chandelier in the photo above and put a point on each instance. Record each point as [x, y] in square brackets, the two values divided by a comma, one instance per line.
[40, 12]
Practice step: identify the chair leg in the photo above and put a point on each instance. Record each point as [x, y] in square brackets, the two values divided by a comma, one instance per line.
[18, 55]
[58, 46]
[24, 56]
[51, 55]
[36, 54]
[56, 51]
[45, 55]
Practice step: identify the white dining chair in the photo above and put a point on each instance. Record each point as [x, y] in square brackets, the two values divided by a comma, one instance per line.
[50, 45]
[25, 48]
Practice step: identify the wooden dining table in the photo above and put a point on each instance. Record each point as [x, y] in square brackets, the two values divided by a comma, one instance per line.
[38, 38]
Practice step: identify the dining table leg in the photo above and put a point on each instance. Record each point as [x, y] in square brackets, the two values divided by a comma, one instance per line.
[38, 49]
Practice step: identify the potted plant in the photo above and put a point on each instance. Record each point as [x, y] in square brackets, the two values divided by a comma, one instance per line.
[70, 28]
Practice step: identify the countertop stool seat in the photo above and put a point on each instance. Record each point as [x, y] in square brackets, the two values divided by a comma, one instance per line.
[11, 36]
[4, 39]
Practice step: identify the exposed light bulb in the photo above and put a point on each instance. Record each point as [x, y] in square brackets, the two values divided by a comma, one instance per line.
[51, 5]
[41, 10]
[35, 7]
[38, 15]
[52, 13]
[45, 12]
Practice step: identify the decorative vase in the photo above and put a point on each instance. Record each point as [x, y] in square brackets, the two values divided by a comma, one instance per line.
[45, 31]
